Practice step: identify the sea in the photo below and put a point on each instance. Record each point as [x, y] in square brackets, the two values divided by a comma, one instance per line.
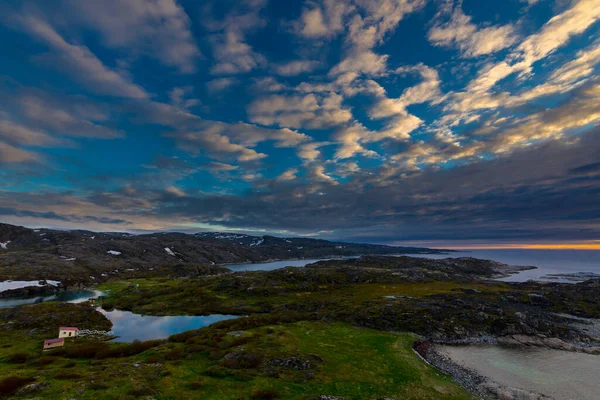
[548, 262]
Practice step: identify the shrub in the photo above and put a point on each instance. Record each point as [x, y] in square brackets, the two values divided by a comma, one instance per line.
[14, 383]
[18, 358]
[46, 360]
[196, 385]
[65, 376]
[265, 394]
[141, 391]
[69, 365]
[97, 386]
[175, 354]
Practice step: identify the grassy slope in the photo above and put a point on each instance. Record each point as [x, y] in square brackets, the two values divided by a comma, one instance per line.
[189, 296]
[358, 364]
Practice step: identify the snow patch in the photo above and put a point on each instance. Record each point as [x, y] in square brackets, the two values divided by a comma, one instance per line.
[36, 230]
[92, 237]
[258, 242]
[114, 252]
[169, 251]
[43, 234]
[3, 245]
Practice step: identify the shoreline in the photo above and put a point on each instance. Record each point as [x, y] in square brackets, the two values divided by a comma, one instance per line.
[471, 380]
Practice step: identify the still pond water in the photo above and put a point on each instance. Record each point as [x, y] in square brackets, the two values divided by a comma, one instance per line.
[561, 374]
[129, 326]
[67, 296]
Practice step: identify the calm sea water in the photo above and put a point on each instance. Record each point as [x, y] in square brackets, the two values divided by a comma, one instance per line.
[547, 261]
[560, 374]
[129, 326]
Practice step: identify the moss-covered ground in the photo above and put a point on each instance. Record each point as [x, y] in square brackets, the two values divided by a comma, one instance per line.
[290, 361]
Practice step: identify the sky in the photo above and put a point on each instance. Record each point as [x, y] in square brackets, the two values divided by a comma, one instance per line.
[386, 121]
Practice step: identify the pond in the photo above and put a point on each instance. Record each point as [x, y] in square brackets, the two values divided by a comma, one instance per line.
[561, 374]
[130, 327]
[68, 296]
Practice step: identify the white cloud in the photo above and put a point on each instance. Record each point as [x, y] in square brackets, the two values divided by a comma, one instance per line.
[231, 52]
[288, 175]
[317, 173]
[220, 84]
[556, 32]
[11, 154]
[17, 134]
[300, 111]
[159, 28]
[175, 191]
[81, 63]
[323, 21]
[471, 40]
[298, 67]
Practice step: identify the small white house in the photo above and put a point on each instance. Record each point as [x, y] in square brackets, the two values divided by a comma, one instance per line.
[67, 332]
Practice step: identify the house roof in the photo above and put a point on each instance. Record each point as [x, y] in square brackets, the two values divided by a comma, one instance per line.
[51, 341]
[68, 328]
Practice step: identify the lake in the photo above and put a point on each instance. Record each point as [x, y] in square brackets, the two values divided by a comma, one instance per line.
[269, 266]
[561, 374]
[68, 296]
[130, 327]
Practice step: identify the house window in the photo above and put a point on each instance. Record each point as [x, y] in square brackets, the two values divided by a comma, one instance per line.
[69, 333]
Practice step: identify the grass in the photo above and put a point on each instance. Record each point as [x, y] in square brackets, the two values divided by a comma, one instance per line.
[344, 361]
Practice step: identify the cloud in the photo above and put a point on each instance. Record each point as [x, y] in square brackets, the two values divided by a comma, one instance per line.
[323, 21]
[80, 62]
[64, 115]
[426, 91]
[368, 29]
[220, 84]
[11, 154]
[298, 67]
[175, 191]
[158, 28]
[299, 111]
[288, 175]
[471, 40]
[218, 167]
[556, 32]
[317, 173]
[310, 151]
[221, 140]
[215, 146]
[21, 135]
[231, 53]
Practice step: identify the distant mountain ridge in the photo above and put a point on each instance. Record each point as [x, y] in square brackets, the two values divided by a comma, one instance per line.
[86, 256]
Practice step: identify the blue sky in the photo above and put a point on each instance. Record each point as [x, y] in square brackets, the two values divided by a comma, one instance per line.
[418, 121]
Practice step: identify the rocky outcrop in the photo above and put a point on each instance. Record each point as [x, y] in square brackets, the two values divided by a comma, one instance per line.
[89, 257]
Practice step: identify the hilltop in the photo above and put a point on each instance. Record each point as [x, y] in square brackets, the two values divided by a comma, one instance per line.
[84, 257]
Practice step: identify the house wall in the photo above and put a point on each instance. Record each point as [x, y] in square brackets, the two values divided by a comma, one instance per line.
[67, 334]
[54, 345]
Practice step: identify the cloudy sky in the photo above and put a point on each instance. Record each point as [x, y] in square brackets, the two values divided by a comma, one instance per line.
[385, 121]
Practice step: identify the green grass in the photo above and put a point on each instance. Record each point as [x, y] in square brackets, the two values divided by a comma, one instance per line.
[357, 364]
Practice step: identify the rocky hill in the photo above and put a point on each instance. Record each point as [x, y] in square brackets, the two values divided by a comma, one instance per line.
[84, 257]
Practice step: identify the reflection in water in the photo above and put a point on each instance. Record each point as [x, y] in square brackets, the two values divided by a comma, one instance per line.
[561, 374]
[129, 326]
[68, 296]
